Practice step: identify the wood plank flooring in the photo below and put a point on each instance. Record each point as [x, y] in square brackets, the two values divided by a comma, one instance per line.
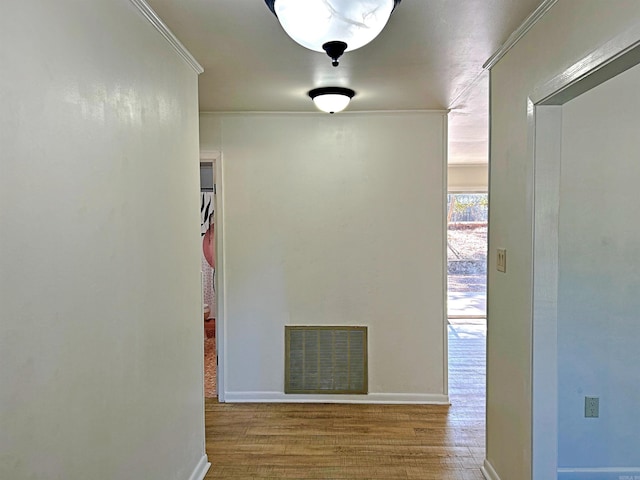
[328, 441]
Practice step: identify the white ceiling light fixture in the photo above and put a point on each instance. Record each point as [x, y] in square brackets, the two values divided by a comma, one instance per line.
[333, 26]
[331, 99]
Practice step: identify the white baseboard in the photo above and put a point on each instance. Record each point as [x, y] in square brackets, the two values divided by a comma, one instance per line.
[377, 398]
[201, 469]
[610, 473]
[488, 471]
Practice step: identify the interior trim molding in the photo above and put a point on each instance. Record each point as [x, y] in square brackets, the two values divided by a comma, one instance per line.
[321, 114]
[605, 62]
[209, 155]
[444, 239]
[468, 165]
[464, 190]
[612, 473]
[520, 32]
[372, 398]
[161, 27]
[201, 469]
[635, 470]
[488, 471]
[544, 125]
[221, 277]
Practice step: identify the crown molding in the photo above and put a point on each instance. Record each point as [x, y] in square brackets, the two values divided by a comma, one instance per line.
[161, 27]
[520, 32]
[321, 114]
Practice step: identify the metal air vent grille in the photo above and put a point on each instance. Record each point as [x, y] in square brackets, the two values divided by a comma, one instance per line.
[323, 359]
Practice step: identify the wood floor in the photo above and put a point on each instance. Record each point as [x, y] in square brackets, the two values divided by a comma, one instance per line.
[311, 441]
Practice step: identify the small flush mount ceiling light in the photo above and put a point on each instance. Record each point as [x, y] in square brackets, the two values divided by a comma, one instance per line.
[331, 99]
[333, 26]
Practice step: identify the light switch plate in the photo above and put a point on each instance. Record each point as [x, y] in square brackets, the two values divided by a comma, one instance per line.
[502, 260]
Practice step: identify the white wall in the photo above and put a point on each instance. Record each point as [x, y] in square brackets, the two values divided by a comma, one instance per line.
[100, 332]
[468, 178]
[333, 220]
[598, 302]
[566, 34]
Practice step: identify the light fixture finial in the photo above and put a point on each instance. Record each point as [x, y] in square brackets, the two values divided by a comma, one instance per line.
[334, 49]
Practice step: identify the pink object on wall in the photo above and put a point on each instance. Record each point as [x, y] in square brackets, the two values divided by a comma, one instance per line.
[207, 230]
[209, 246]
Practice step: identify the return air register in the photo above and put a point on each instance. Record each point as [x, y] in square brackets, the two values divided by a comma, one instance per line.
[325, 360]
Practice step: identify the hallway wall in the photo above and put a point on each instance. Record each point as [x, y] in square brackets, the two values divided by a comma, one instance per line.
[100, 313]
[566, 34]
[333, 220]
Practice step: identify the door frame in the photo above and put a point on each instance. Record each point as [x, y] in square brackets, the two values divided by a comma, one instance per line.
[215, 157]
[545, 141]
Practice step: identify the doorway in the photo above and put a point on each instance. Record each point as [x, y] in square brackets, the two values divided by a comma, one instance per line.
[585, 286]
[467, 222]
[208, 268]
[467, 216]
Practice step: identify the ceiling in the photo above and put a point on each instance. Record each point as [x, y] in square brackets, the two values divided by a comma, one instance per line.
[429, 56]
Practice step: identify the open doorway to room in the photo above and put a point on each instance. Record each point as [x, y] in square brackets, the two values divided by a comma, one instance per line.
[209, 295]
[584, 126]
[467, 215]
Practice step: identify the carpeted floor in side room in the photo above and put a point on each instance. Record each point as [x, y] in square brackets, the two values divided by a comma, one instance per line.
[210, 368]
